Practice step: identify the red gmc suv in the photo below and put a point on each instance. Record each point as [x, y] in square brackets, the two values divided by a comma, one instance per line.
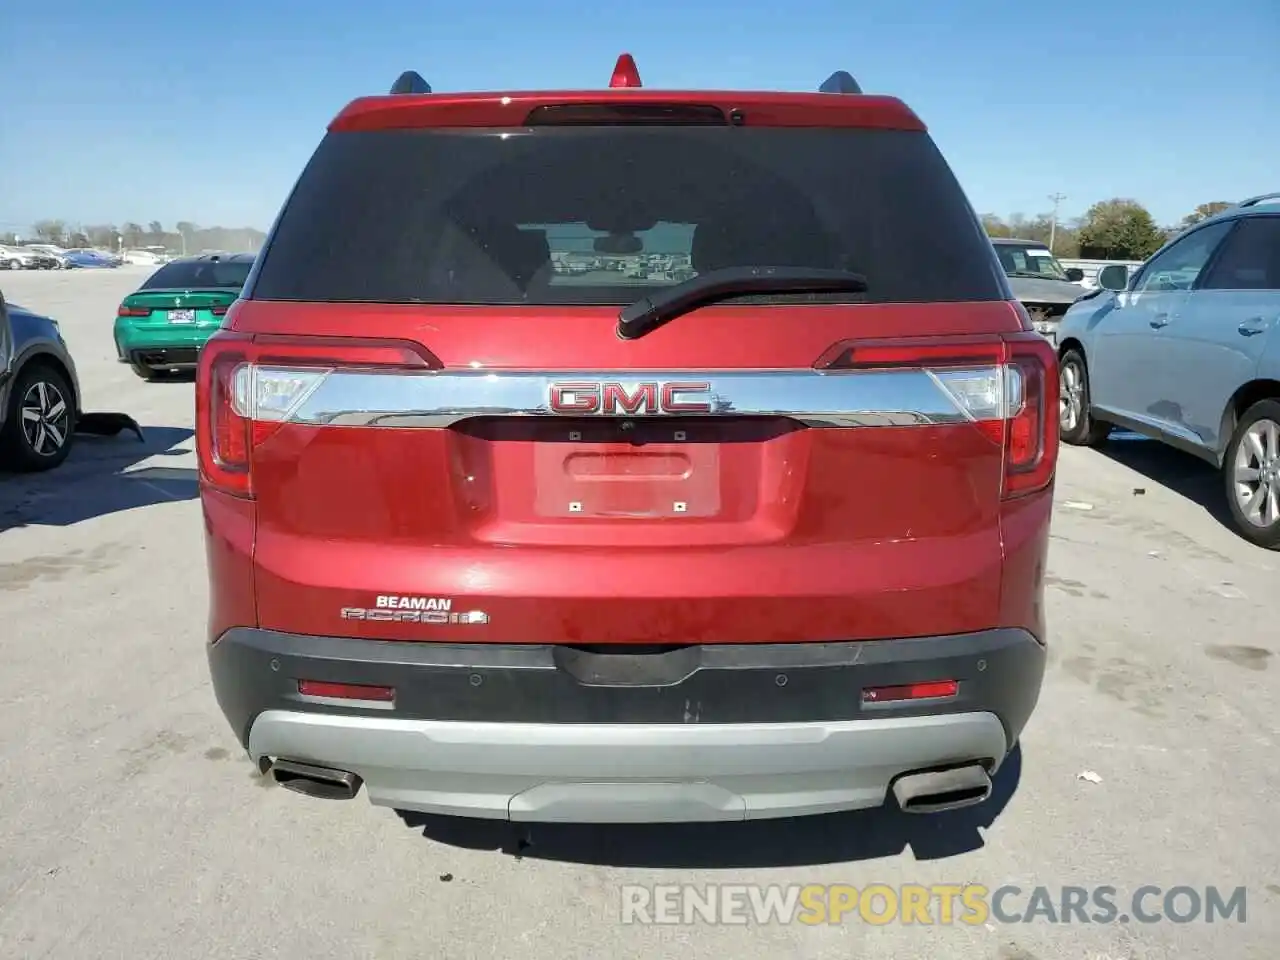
[625, 455]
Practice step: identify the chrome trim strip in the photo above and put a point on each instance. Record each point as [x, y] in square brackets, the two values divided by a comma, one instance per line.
[366, 398]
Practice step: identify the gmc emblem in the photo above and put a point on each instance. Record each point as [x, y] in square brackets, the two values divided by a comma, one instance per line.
[639, 398]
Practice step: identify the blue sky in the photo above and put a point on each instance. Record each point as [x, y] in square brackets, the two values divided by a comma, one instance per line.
[163, 109]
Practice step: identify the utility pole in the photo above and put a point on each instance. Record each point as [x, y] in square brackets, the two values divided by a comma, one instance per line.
[1057, 198]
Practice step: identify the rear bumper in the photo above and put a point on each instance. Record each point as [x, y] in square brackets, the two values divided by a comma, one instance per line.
[176, 346]
[543, 733]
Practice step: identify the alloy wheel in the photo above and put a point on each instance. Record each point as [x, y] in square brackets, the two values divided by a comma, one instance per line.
[1071, 405]
[46, 418]
[1256, 474]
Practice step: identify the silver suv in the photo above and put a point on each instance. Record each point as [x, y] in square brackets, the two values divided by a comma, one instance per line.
[1186, 352]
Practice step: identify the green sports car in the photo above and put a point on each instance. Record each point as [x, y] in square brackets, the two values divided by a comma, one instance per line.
[162, 325]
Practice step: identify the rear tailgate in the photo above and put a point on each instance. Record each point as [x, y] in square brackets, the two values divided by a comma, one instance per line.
[451, 443]
[182, 308]
[455, 504]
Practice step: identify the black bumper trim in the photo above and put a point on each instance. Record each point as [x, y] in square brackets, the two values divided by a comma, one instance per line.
[165, 356]
[999, 671]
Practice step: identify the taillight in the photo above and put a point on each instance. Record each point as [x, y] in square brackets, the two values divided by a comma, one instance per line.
[127, 311]
[1031, 450]
[1006, 386]
[219, 310]
[914, 353]
[247, 386]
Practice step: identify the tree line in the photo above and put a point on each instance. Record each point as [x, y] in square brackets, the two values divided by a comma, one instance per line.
[1116, 229]
[185, 237]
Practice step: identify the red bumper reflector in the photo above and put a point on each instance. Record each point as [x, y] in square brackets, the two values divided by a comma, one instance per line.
[911, 691]
[345, 691]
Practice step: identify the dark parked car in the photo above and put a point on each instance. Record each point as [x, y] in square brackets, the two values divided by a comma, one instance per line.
[1041, 284]
[39, 391]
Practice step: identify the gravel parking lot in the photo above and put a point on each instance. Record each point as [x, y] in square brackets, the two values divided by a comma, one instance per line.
[131, 825]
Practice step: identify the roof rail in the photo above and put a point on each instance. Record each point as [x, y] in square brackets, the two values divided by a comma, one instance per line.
[410, 82]
[840, 82]
[1261, 198]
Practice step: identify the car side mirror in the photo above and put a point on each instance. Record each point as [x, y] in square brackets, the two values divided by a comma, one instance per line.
[1075, 274]
[1114, 276]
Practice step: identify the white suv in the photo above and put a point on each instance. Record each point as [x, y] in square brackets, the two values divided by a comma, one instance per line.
[19, 258]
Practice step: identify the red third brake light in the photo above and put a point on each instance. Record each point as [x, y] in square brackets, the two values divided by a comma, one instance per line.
[625, 72]
[247, 386]
[1008, 386]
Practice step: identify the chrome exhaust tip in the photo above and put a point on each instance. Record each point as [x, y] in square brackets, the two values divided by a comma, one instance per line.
[936, 791]
[309, 780]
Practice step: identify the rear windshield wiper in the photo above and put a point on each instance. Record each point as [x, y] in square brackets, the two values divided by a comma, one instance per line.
[652, 312]
[1036, 276]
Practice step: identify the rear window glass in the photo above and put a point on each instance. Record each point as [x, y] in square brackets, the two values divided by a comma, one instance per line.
[199, 273]
[605, 215]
